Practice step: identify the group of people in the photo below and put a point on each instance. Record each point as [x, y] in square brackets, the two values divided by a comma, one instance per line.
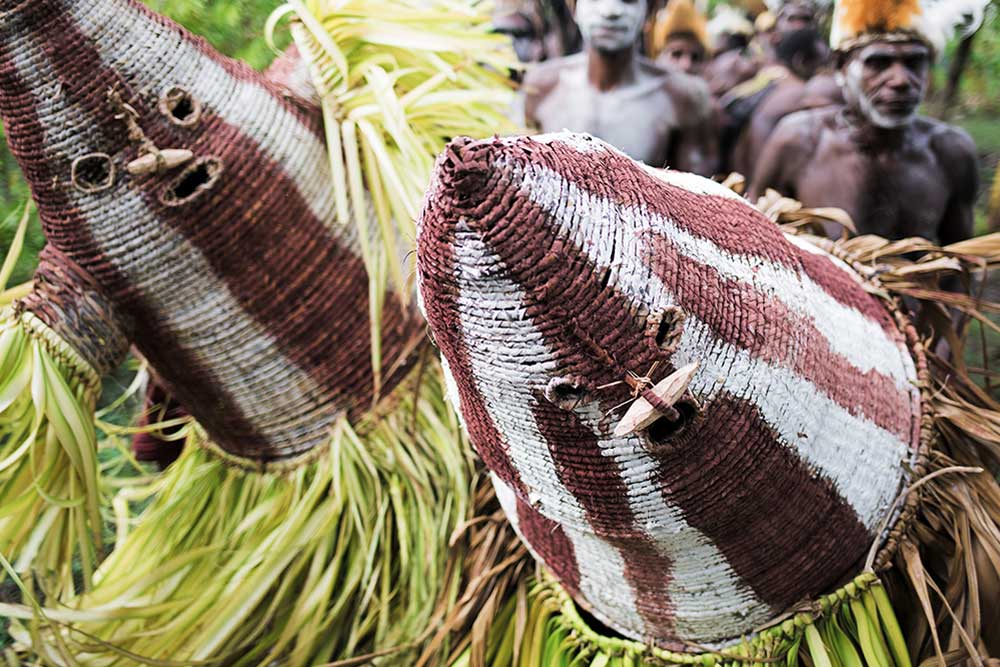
[762, 92]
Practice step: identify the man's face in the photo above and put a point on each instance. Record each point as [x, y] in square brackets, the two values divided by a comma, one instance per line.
[794, 16]
[610, 25]
[527, 42]
[683, 53]
[885, 82]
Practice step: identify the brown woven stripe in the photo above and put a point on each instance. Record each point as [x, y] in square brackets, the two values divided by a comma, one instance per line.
[548, 540]
[784, 529]
[595, 480]
[441, 306]
[67, 229]
[66, 299]
[770, 331]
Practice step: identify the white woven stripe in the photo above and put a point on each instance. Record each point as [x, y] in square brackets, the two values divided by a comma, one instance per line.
[710, 599]
[578, 141]
[861, 341]
[693, 183]
[195, 307]
[861, 459]
[603, 587]
[166, 58]
[515, 359]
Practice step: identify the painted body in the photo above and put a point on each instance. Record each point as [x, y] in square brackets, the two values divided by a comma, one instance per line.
[656, 116]
[226, 272]
[897, 174]
[556, 273]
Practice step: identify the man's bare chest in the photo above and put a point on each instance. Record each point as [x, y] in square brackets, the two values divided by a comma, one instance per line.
[636, 121]
[891, 197]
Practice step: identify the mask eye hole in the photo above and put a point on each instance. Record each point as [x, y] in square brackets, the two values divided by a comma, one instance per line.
[180, 107]
[566, 393]
[93, 172]
[666, 328]
[194, 181]
[668, 427]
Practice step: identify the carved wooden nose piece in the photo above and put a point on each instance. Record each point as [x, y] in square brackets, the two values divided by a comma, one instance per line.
[656, 402]
[162, 160]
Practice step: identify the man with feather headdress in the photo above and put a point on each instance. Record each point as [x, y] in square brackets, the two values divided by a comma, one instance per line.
[896, 173]
[680, 38]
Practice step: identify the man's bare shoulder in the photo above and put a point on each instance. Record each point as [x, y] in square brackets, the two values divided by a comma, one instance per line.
[950, 143]
[802, 131]
[822, 90]
[541, 78]
[955, 151]
[689, 94]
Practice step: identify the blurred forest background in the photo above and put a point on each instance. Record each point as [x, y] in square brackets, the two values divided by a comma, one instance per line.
[236, 28]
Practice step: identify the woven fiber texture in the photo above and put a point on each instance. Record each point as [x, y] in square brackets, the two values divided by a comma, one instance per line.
[223, 265]
[66, 299]
[560, 280]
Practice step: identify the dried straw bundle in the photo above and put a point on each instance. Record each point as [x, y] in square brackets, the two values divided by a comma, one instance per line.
[50, 490]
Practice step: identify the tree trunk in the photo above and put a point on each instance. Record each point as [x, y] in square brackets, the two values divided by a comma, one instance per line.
[955, 75]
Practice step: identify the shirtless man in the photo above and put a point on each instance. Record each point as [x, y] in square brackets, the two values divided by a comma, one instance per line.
[680, 38]
[659, 117]
[800, 54]
[897, 174]
[731, 68]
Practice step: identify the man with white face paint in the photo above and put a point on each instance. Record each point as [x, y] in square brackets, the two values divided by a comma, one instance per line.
[660, 117]
[896, 173]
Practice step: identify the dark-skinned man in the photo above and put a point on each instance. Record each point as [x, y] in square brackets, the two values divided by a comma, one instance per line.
[896, 173]
[773, 70]
[735, 67]
[657, 116]
[800, 54]
[680, 38]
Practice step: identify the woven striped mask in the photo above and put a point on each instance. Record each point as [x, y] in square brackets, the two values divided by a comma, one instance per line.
[218, 264]
[562, 279]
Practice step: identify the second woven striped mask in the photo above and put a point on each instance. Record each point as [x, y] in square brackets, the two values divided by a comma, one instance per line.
[563, 282]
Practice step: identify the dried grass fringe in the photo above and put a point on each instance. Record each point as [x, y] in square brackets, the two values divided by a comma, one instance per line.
[932, 596]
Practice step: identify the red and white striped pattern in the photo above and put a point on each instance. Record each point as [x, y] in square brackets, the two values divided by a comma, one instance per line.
[543, 259]
[231, 296]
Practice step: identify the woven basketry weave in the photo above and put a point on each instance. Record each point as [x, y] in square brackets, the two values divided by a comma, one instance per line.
[220, 264]
[562, 280]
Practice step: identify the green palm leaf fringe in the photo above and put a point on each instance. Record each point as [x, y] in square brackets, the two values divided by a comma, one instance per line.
[929, 593]
[855, 626]
[397, 79]
[50, 493]
[343, 555]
